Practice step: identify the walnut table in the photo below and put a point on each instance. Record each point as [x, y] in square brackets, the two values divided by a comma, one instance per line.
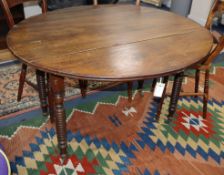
[108, 43]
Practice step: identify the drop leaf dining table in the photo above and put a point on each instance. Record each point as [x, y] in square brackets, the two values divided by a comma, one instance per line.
[119, 43]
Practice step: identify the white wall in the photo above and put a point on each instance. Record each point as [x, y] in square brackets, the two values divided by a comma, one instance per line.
[200, 10]
[31, 9]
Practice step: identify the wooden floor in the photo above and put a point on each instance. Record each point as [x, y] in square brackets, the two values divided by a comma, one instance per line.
[6, 55]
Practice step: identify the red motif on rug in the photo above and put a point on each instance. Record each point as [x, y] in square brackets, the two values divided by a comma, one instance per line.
[192, 121]
[70, 166]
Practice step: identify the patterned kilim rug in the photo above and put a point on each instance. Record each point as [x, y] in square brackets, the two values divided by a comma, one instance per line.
[106, 137]
[9, 76]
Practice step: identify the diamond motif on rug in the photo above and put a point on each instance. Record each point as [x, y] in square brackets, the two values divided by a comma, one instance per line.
[192, 121]
[102, 139]
[188, 133]
[86, 156]
[71, 166]
[129, 111]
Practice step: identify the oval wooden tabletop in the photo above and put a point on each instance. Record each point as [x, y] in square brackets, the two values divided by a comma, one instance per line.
[111, 42]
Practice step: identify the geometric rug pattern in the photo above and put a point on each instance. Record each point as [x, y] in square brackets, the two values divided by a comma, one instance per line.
[109, 135]
[188, 134]
[86, 156]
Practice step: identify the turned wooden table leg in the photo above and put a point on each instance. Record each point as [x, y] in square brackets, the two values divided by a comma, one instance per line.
[206, 94]
[140, 86]
[41, 84]
[50, 100]
[197, 80]
[175, 94]
[153, 84]
[130, 85]
[165, 81]
[83, 87]
[22, 79]
[57, 87]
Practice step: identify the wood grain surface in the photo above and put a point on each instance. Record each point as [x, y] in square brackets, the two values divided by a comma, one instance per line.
[109, 42]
